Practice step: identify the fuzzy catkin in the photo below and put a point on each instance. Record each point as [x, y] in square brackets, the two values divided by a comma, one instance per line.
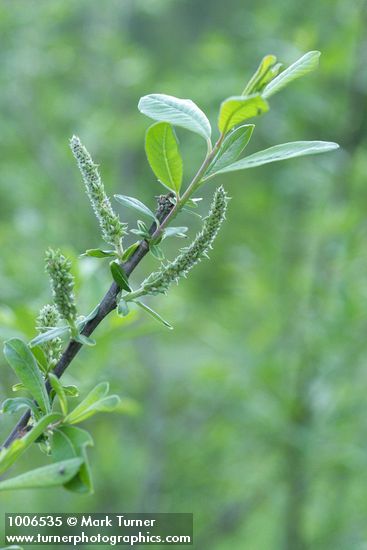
[111, 227]
[158, 282]
[62, 284]
[47, 319]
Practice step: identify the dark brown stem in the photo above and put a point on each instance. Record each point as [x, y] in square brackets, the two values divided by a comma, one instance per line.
[107, 304]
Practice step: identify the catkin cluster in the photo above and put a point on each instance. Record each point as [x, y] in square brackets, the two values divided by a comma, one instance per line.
[111, 226]
[158, 282]
[62, 284]
[47, 319]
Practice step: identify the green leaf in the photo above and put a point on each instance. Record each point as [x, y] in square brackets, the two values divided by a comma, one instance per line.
[57, 386]
[236, 109]
[156, 251]
[82, 321]
[24, 364]
[179, 112]
[232, 147]
[70, 442]
[119, 275]
[135, 204]
[18, 387]
[83, 339]
[163, 155]
[96, 401]
[99, 253]
[190, 211]
[123, 308]
[10, 454]
[175, 232]
[256, 83]
[40, 358]
[47, 476]
[129, 251]
[153, 314]
[304, 65]
[56, 332]
[193, 202]
[281, 152]
[16, 404]
[71, 391]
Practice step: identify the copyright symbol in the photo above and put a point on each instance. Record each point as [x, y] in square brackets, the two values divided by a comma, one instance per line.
[72, 521]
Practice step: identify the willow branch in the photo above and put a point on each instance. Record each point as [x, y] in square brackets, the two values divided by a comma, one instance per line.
[106, 305]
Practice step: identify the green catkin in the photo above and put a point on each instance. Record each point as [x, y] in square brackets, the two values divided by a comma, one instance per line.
[158, 282]
[62, 284]
[47, 319]
[112, 228]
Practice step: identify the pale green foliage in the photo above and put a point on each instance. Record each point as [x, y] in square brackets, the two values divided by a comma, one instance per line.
[179, 112]
[62, 284]
[9, 455]
[22, 361]
[283, 151]
[72, 442]
[237, 109]
[96, 401]
[112, 228]
[265, 72]
[307, 63]
[233, 145]
[138, 206]
[163, 155]
[58, 388]
[53, 475]
[16, 404]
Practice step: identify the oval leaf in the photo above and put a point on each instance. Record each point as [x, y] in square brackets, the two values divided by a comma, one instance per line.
[134, 204]
[84, 340]
[281, 152]
[153, 314]
[236, 109]
[71, 391]
[99, 253]
[123, 308]
[24, 364]
[41, 358]
[258, 80]
[70, 442]
[179, 112]
[307, 63]
[119, 275]
[15, 404]
[232, 147]
[156, 251]
[175, 232]
[107, 404]
[51, 334]
[47, 476]
[60, 392]
[82, 411]
[163, 155]
[10, 454]
[130, 251]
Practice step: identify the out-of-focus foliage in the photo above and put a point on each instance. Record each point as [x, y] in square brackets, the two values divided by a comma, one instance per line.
[252, 413]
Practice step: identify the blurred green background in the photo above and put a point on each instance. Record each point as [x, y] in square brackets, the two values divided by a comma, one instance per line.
[251, 413]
